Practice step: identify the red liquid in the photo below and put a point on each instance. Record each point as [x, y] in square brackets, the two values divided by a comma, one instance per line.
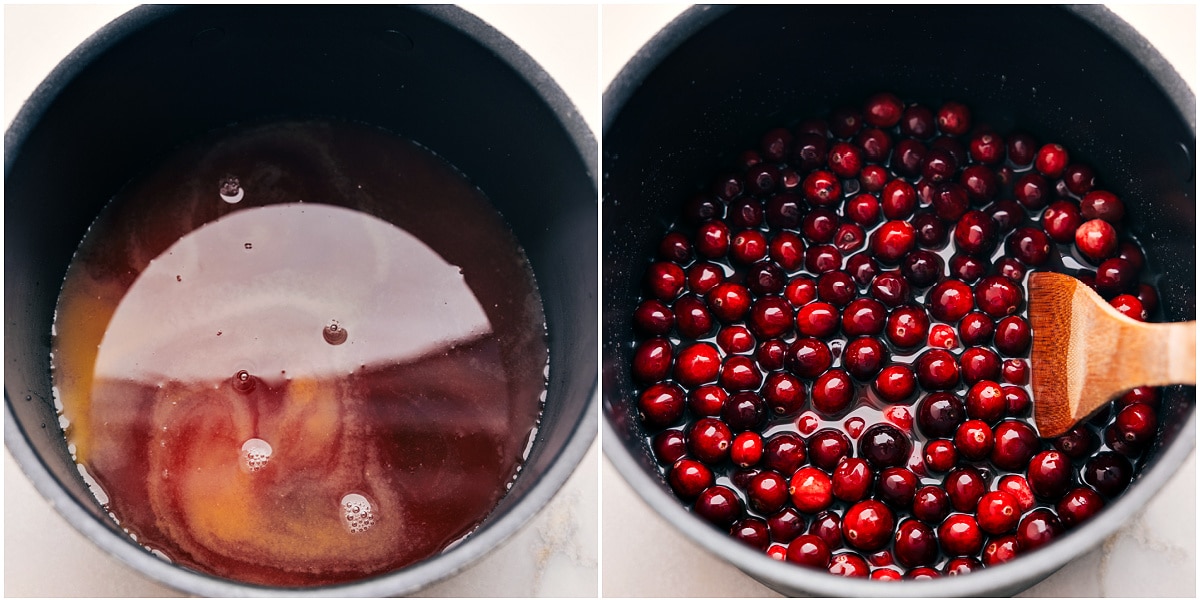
[300, 354]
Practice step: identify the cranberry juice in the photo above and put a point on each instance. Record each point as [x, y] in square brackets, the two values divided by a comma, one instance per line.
[832, 348]
[299, 354]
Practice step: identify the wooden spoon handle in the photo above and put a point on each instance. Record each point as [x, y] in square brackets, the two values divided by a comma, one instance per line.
[1172, 353]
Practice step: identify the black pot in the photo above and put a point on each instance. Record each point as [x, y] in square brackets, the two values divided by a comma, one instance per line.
[159, 77]
[717, 77]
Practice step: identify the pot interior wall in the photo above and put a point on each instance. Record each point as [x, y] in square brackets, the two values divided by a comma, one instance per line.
[173, 74]
[752, 68]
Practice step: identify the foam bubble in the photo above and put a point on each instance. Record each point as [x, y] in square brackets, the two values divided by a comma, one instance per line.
[255, 454]
[358, 514]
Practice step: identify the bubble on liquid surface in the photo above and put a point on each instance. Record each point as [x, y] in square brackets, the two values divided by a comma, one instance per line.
[358, 515]
[334, 333]
[255, 454]
[231, 189]
[243, 381]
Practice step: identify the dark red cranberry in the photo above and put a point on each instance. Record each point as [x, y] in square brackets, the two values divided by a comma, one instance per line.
[922, 268]
[1030, 246]
[784, 452]
[676, 248]
[849, 564]
[979, 364]
[864, 316]
[1096, 240]
[703, 276]
[744, 411]
[895, 383]
[940, 414]
[719, 505]
[827, 525]
[964, 486]
[712, 239]
[917, 121]
[709, 439]
[827, 447]
[898, 200]
[960, 535]
[1077, 443]
[761, 179]
[783, 392]
[937, 370]
[962, 565]
[751, 531]
[810, 551]
[916, 544]
[1136, 424]
[1032, 191]
[998, 296]
[931, 504]
[1147, 295]
[890, 288]
[1138, 395]
[931, 231]
[785, 524]
[845, 160]
[950, 300]
[767, 492]
[939, 165]
[836, 288]
[832, 392]
[920, 573]
[745, 212]
[1018, 488]
[652, 361]
[1007, 214]
[883, 110]
[669, 446]
[776, 144]
[811, 490]
[1051, 160]
[862, 268]
[692, 318]
[689, 477]
[770, 316]
[868, 525]
[707, 400]
[735, 339]
[906, 326]
[849, 238]
[845, 121]
[1129, 306]
[1000, 550]
[661, 405]
[665, 280]
[874, 177]
[974, 440]
[1115, 276]
[884, 446]
[1022, 148]
[1100, 204]
[980, 183]
[968, 269]
[1049, 474]
[748, 246]
[1037, 529]
[822, 258]
[953, 118]
[985, 401]
[1079, 505]
[701, 208]
[783, 211]
[975, 233]
[975, 329]
[1078, 179]
[863, 357]
[809, 150]
[1013, 336]
[728, 301]
[852, 480]
[950, 202]
[863, 209]
[892, 241]
[1017, 400]
[822, 188]
[998, 513]
[819, 226]
[1131, 252]
[939, 456]
[986, 147]
[817, 319]
[1014, 444]
[652, 317]
[897, 486]
[697, 364]
[800, 291]
[1061, 220]
[1109, 473]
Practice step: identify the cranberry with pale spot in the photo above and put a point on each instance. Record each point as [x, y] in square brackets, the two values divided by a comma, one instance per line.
[689, 477]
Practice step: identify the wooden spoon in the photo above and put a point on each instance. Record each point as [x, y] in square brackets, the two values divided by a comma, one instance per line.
[1085, 352]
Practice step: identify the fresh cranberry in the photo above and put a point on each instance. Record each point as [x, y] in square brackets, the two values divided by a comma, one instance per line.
[700, 208]
[898, 199]
[895, 383]
[823, 258]
[1138, 395]
[1017, 400]
[985, 401]
[811, 490]
[998, 513]
[920, 573]
[1109, 473]
[776, 144]
[661, 405]
[1032, 191]
[1007, 214]
[953, 118]
[751, 531]
[868, 525]
[943, 336]
[785, 524]
[897, 486]
[817, 319]
[976, 329]
[863, 209]
[884, 446]
[862, 268]
[1021, 149]
[787, 250]
[810, 551]
[1018, 487]
[665, 280]
[979, 364]
[974, 439]
[931, 231]
[960, 535]
[770, 316]
[747, 449]
[735, 339]
[937, 370]
[1013, 336]
[827, 447]
[689, 477]
[765, 278]
[916, 544]
[906, 326]
[1078, 442]
[761, 179]
[1099, 204]
[975, 233]
[852, 480]
[832, 392]
[922, 268]
[709, 439]
[917, 121]
[1079, 505]
[819, 225]
[836, 288]
[783, 210]
[1050, 474]
[864, 316]
[745, 213]
[1115, 276]
[669, 446]
[1000, 550]
[940, 455]
[807, 422]
[707, 400]
[744, 410]
[849, 237]
[729, 301]
[986, 147]
[703, 276]
[1061, 220]
[1147, 295]
[1011, 268]
[939, 165]
[652, 360]
[849, 564]
[692, 317]
[827, 525]
[808, 357]
[767, 492]
[892, 241]
[968, 269]
[712, 239]
[1037, 529]
[1136, 424]
[697, 364]
[863, 357]
[1014, 444]
[1015, 371]
[821, 188]
[939, 414]
[845, 160]
[800, 291]
[883, 110]
[1129, 306]
[890, 288]
[980, 184]
[718, 505]
[1130, 251]
[652, 317]
[931, 504]
[783, 392]
[908, 157]
[1096, 240]
[997, 296]
[964, 486]
[950, 300]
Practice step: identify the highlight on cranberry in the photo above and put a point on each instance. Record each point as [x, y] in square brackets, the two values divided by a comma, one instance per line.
[832, 346]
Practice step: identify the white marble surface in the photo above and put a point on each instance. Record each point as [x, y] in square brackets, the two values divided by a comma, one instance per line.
[556, 555]
[1152, 555]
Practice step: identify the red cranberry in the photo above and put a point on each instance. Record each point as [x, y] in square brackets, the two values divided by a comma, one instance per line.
[852, 480]
[864, 316]
[669, 446]
[922, 268]
[765, 278]
[1007, 214]
[862, 268]
[761, 179]
[1131, 252]
[1014, 444]
[890, 288]
[1037, 529]
[906, 326]
[712, 239]
[863, 357]
[1136, 424]
[980, 183]
[787, 250]
[1129, 306]
[931, 231]
[1013, 336]
[950, 300]
[931, 504]
[845, 160]
[1017, 400]
[909, 157]
[770, 316]
[719, 505]
[808, 357]
[1078, 443]
[960, 535]
[707, 400]
[735, 339]
[1018, 488]
[836, 288]
[1079, 505]
[998, 296]
[1061, 220]
[697, 364]
[728, 301]
[807, 422]
[817, 319]
[810, 551]
[784, 452]
[752, 532]
[920, 573]
[884, 446]
[767, 493]
[821, 188]
[976, 329]
[692, 317]
[652, 317]
[892, 241]
[939, 414]
[895, 383]
[849, 564]
[1148, 297]
[849, 237]
[745, 213]
[868, 525]
[819, 226]
[979, 364]
[822, 259]
[863, 209]
[964, 486]
[800, 291]
[937, 370]
[1021, 149]
[1032, 191]
[968, 269]
[744, 411]
[709, 439]
[883, 110]
[854, 426]
[1015, 371]
[1138, 395]
[665, 280]
[943, 336]
[917, 121]
[986, 147]
[974, 440]
[916, 544]
[661, 405]
[703, 276]
[998, 513]
[811, 490]
[940, 455]
[1030, 246]
[783, 392]
[785, 524]
[897, 486]
[827, 447]
[985, 401]
[689, 477]
[783, 211]
[827, 525]
[939, 165]
[1096, 240]
[1078, 179]
[700, 208]
[832, 392]
[975, 233]
[898, 200]
[1049, 474]
[652, 361]
[953, 118]
[1115, 276]
[1000, 550]
[1108, 472]
[1104, 205]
